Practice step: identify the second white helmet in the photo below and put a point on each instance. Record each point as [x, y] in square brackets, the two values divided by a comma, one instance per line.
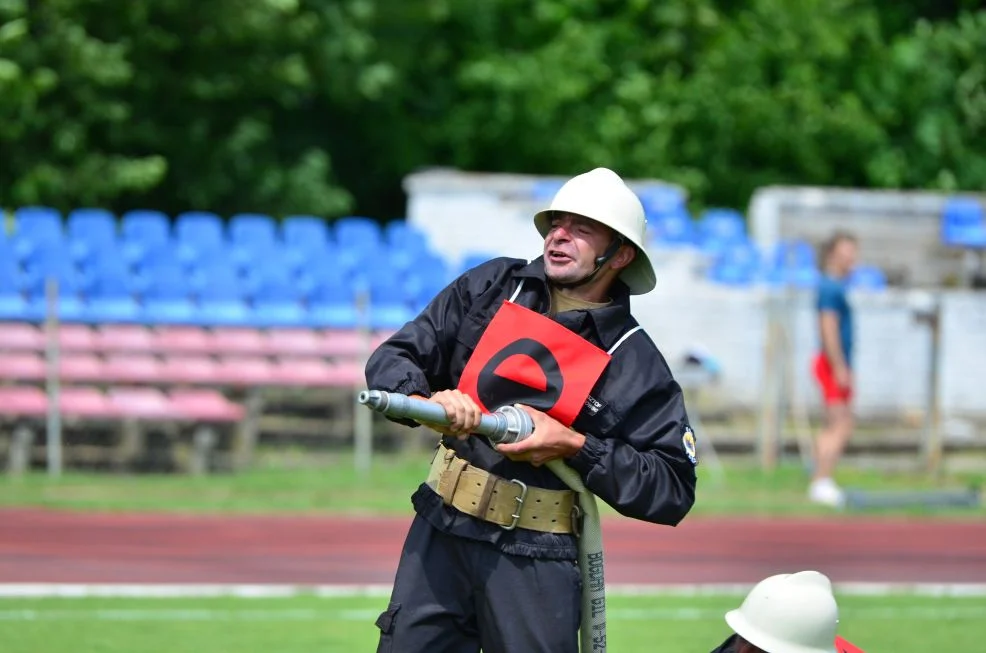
[789, 613]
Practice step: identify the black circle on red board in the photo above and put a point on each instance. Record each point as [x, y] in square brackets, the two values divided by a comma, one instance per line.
[495, 391]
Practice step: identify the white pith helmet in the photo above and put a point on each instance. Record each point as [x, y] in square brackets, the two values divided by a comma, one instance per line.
[601, 195]
[789, 613]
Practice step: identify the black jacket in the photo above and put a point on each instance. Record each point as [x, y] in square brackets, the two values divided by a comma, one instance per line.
[633, 459]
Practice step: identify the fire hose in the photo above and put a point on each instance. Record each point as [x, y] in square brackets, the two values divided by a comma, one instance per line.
[511, 424]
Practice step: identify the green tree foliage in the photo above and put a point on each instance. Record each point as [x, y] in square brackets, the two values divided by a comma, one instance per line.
[322, 106]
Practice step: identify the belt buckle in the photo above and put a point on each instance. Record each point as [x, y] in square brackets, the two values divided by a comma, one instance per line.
[576, 520]
[520, 505]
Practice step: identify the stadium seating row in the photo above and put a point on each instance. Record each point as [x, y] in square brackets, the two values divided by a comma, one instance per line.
[237, 371]
[164, 339]
[303, 271]
[201, 270]
[119, 403]
[97, 228]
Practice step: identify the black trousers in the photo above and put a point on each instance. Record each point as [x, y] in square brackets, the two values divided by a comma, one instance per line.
[453, 595]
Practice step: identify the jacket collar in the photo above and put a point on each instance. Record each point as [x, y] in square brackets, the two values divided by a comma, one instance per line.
[610, 321]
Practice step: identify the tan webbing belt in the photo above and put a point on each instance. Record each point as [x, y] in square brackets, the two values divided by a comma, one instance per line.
[508, 503]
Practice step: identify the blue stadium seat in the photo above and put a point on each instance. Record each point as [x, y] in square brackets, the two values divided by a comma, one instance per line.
[111, 305]
[738, 264]
[390, 307]
[794, 253]
[109, 264]
[91, 233]
[402, 235]
[306, 232]
[332, 305]
[659, 201]
[55, 264]
[429, 274]
[718, 228]
[221, 298]
[278, 302]
[357, 232]
[963, 223]
[111, 296]
[92, 226]
[675, 229]
[157, 255]
[402, 260]
[70, 282]
[110, 281]
[167, 297]
[252, 228]
[868, 278]
[727, 274]
[12, 302]
[203, 230]
[143, 229]
[145, 226]
[259, 260]
[71, 308]
[38, 223]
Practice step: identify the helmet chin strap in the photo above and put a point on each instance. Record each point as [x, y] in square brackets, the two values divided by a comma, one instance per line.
[600, 262]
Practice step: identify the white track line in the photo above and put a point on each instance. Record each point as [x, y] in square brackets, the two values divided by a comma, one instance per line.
[181, 615]
[140, 590]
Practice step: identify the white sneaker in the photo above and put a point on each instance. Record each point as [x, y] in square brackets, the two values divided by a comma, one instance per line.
[825, 491]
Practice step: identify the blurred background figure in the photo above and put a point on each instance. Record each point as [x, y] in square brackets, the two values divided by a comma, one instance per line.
[833, 365]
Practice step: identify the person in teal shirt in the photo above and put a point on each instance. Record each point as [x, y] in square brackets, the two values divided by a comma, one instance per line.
[833, 365]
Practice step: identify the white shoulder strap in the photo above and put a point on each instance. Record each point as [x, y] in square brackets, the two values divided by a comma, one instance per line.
[513, 297]
[624, 337]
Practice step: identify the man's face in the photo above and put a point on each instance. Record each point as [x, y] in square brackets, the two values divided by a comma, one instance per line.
[572, 245]
[844, 256]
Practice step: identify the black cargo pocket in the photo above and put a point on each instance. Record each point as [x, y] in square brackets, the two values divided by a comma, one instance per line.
[385, 622]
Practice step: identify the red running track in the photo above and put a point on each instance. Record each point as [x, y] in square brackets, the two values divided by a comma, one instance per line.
[38, 546]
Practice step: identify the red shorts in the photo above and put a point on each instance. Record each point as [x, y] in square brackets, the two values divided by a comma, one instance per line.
[832, 392]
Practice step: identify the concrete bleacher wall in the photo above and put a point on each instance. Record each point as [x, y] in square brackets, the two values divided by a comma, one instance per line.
[899, 231]
[892, 355]
[465, 213]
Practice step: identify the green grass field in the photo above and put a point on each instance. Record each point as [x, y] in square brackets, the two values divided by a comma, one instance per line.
[641, 624]
[294, 484]
[288, 484]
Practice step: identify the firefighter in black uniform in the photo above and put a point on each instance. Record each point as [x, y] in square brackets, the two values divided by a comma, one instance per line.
[490, 559]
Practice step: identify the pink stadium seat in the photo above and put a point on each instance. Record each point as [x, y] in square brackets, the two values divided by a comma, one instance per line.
[145, 403]
[380, 336]
[132, 368]
[85, 402]
[76, 337]
[303, 372]
[15, 335]
[124, 337]
[342, 344]
[182, 368]
[299, 342]
[205, 406]
[17, 401]
[22, 366]
[183, 339]
[245, 371]
[349, 373]
[81, 367]
[238, 340]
